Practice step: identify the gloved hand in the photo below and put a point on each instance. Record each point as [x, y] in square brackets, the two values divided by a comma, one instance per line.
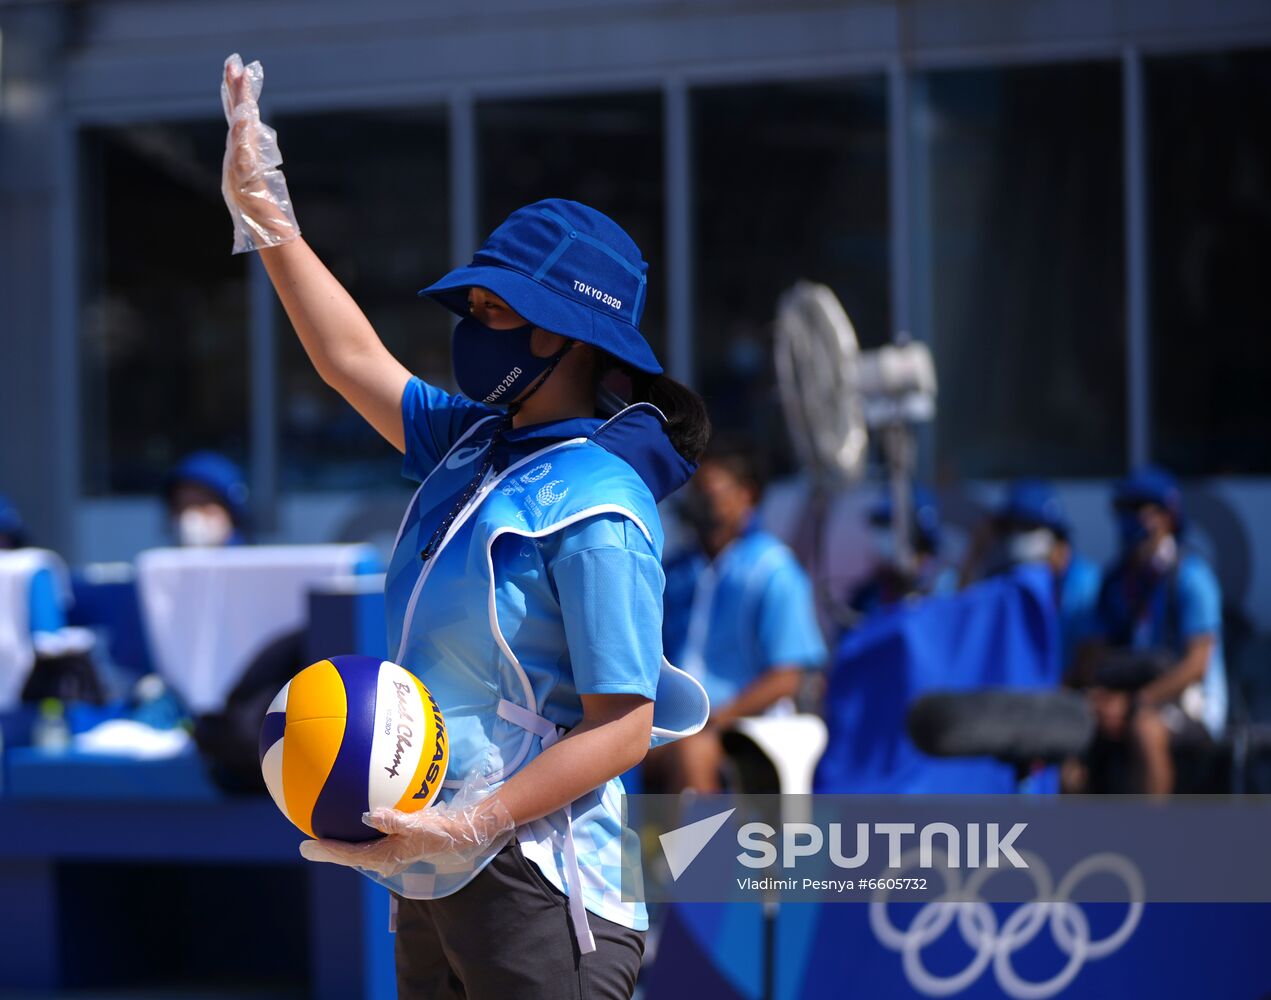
[474, 825]
[255, 189]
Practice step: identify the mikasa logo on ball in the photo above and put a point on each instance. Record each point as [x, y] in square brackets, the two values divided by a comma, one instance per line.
[434, 772]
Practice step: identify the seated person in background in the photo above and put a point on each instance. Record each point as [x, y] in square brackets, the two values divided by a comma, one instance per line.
[1031, 526]
[1155, 673]
[13, 533]
[739, 616]
[206, 496]
[891, 582]
[39, 655]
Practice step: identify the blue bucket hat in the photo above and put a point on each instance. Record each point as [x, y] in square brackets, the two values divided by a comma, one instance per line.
[566, 268]
[1034, 501]
[924, 514]
[1150, 484]
[219, 475]
[11, 523]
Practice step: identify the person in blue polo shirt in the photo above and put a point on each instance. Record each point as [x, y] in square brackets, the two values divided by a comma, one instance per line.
[1157, 674]
[1030, 525]
[525, 588]
[739, 615]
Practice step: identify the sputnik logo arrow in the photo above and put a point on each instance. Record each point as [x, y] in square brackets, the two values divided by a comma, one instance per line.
[685, 843]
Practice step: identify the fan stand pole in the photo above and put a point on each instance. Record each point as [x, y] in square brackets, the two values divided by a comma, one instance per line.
[898, 453]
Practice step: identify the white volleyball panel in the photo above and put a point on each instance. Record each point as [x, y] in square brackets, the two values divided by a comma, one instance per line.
[400, 735]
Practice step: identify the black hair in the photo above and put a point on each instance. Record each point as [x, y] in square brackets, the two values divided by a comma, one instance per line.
[688, 425]
[741, 458]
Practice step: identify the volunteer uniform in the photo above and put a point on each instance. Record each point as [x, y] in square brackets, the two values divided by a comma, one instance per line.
[729, 620]
[1163, 604]
[1146, 611]
[526, 573]
[547, 587]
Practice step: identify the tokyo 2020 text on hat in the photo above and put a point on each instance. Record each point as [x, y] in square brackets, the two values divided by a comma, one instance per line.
[565, 268]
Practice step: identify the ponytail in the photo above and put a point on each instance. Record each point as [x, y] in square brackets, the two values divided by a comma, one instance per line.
[687, 423]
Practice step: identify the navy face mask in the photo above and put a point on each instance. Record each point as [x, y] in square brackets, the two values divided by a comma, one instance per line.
[1131, 529]
[496, 366]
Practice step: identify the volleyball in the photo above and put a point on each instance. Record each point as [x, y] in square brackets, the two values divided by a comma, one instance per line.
[347, 735]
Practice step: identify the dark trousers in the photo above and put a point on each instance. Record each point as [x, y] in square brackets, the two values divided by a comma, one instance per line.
[507, 935]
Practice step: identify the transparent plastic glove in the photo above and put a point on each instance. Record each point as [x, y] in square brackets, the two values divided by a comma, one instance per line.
[255, 189]
[453, 835]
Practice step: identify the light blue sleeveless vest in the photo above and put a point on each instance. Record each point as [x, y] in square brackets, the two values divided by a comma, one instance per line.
[451, 636]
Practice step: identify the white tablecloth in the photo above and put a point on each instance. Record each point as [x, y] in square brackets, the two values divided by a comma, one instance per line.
[208, 612]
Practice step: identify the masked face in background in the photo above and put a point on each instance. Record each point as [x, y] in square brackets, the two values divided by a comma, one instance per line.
[204, 528]
[199, 518]
[1146, 532]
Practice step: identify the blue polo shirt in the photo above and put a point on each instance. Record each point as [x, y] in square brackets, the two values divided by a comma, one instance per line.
[1141, 611]
[728, 621]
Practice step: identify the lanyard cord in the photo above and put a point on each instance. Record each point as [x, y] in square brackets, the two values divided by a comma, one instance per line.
[468, 492]
[487, 460]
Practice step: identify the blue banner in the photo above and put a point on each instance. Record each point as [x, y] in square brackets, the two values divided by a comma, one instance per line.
[1003, 631]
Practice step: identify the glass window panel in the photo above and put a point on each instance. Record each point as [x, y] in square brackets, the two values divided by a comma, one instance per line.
[789, 182]
[1210, 210]
[164, 359]
[371, 196]
[603, 150]
[1018, 179]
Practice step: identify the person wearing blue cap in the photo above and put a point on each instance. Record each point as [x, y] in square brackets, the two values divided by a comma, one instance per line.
[525, 587]
[1156, 676]
[13, 533]
[739, 615]
[206, 496]
[1030, 525]
[893, 582]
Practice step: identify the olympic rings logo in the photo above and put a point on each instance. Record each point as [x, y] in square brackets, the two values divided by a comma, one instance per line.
[977, 923]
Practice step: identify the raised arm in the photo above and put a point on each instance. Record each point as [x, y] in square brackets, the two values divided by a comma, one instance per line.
[340, 341]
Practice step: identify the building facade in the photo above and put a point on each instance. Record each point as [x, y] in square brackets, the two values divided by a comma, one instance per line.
[1070, 200]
